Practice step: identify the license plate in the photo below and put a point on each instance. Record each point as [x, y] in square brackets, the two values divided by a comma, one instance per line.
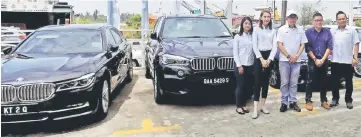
[216, 80]
[14, 109]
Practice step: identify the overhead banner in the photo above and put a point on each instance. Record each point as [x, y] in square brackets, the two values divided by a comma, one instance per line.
[27, 6]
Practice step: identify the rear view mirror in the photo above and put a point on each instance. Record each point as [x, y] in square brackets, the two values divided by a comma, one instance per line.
[7, 50]
[113, 47]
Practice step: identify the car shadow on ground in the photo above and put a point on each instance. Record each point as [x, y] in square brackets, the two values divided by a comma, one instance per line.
[213, 98]
[119, 96]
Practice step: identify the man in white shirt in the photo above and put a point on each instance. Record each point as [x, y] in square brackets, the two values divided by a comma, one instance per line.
[291, 42]
[344, 58]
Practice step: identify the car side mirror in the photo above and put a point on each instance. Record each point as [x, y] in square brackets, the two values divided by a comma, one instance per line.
[7, 50]
[113, 47]
[153, 36]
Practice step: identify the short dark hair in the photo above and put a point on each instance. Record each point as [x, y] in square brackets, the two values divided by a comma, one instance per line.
[317, 14]
[241, 30]
[340, 12]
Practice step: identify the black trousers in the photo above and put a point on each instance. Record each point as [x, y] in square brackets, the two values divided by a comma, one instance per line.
[262, 76]
[317, 77]
[244, 85]
[338, 71]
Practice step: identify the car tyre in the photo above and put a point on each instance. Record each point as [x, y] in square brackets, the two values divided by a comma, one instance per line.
[147, 71]
[158, 94]
[130, 73]
[103, 101]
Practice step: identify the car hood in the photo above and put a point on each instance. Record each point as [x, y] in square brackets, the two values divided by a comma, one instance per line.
[199, 47]
[47, 68]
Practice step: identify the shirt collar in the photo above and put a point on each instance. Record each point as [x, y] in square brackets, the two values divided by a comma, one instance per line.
[314, 29]
[346, 27]
[295, 27]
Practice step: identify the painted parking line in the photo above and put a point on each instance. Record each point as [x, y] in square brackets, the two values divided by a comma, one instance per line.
[273, 90]
[147, 127]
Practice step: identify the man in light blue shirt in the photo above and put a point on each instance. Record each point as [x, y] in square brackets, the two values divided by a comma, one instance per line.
[344, 58]
[291, 42]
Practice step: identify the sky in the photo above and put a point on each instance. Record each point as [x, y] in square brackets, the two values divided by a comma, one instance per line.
[327, 7]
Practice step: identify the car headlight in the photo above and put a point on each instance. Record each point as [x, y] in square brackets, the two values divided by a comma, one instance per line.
[174, 60]
[82, 82]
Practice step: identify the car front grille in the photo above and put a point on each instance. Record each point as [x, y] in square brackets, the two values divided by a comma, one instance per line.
[8, 93]
[222, 63]
[225, 63]
[31, 92]
[203, 63]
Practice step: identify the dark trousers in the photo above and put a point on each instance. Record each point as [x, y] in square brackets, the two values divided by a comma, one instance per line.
[244, 85]
[262, 76]
[338, 71]
[317, 77]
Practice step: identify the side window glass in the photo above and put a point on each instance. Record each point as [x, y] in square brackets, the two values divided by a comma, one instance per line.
[159, 26]
[110, 38]
[117, 37]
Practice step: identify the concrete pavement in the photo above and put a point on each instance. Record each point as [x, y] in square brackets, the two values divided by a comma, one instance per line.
[133, 113]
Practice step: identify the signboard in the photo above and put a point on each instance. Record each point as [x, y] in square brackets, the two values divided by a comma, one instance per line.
[27, 6]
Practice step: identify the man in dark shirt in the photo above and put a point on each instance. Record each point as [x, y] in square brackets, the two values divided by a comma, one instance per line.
[319, 46]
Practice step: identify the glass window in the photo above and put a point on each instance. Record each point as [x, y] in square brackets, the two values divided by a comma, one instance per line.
[117, 37]
[189, 27]
[62, 42]
[110, 37]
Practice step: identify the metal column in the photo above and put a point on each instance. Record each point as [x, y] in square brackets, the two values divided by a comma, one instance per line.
[145, 27]
[203, 7]
[229, 14]
[110, 16]
[284, 12]
[145, 19]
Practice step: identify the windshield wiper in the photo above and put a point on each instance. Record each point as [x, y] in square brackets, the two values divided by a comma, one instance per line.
[22, 55]
[223, 36]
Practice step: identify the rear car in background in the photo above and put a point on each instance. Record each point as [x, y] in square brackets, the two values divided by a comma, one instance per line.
[190, 54]
[11, 35]
[62, 72]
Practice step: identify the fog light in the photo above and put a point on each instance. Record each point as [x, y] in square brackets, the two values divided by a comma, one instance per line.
[180, 73]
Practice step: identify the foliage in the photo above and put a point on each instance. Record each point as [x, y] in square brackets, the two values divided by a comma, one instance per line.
[306, 11]
[358, 23]
[134, 22]
[88, 18]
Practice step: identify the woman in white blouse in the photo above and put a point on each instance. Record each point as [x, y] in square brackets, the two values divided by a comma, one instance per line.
[243, 57]
[265, 48]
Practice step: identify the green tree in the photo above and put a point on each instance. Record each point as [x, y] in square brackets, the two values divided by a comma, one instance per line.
[133, 22]
[358, 23]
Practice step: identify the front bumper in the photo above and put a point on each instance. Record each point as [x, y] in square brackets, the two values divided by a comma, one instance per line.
[184, 80]
[63, 105]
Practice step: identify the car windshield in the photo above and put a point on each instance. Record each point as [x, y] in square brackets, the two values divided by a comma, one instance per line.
[194, 27]
[62, 42]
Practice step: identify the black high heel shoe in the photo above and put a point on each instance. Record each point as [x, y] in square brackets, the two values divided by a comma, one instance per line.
[242, 113]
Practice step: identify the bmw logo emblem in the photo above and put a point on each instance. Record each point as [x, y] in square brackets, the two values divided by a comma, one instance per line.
[20, 79]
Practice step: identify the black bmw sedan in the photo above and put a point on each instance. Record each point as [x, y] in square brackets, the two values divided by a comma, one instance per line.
[61, 72]
[190, 54]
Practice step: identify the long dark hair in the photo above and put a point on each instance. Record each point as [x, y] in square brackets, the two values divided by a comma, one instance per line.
[261, 21]
[241, 30]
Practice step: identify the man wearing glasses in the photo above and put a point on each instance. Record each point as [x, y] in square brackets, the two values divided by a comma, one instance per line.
[318, 48]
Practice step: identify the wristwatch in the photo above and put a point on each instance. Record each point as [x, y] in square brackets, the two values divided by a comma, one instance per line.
[289, 56]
